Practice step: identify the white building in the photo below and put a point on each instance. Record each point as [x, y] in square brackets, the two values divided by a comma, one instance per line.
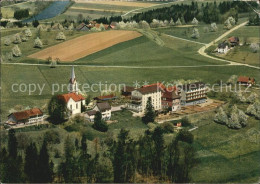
[103, 108]
[223, 48]
[140, 96]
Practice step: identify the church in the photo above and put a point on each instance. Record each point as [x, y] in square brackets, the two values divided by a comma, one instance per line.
[74, 100]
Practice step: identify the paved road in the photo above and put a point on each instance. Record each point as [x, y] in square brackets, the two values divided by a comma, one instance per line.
[202, 52]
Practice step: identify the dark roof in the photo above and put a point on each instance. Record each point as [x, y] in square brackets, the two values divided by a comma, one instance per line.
[128, 89]
[90, 113]
[192, 86]
[151, 88]
[23, 115]
[170, 95]
[103, 106]
[222, 45]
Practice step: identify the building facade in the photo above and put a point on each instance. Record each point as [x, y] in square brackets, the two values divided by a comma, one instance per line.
[171, 100]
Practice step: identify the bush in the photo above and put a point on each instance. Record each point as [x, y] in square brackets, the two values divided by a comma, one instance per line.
[185, 136]
[38, 43]
[17, 39]
[52, 137]
[7, 41]
[254, 47]
[16, 51]
[60, 36]
[167, 127]
[27, 33]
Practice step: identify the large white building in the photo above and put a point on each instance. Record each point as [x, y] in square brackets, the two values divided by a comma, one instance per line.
[140, 96]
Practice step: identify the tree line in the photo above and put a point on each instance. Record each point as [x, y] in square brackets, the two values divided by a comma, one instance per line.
[123, 160]
[23, 13]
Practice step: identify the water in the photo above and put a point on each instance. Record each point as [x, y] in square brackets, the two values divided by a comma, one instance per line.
[53, 10]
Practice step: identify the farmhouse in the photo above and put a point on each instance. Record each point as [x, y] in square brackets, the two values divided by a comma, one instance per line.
[248, 81]
[127, 90]
[104, 108]
[192, 94]
[171, 100]
[223, 48]
[140, 96]
[82, 27]
[26, 117]
[234, 41]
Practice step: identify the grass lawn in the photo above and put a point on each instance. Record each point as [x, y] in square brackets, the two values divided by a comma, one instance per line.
[10, 31]
[226, 155]
[144, 52]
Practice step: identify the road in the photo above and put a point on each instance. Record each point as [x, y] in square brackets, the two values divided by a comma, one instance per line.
[202, 52]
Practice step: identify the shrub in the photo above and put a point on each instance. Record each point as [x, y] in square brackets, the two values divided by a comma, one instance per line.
[167, 127]
[227, 24]
[7, 41]
[38, 43]
[254, 47]
[17, 39]
[16, 51]
[254, 109]
[27, 33]
[60, 36]
[171, 22]
[239, 96]
[213, 27]
[35, 23]
[238, 118]
[195, 21]
[206, 29]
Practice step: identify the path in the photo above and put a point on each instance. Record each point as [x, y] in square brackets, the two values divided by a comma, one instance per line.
[202, 52]
[185, 39]
[131, 11]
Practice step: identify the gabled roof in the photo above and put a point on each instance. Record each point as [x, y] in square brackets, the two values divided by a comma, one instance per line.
[128, 89]
[73, 96]
[23, 115]
[103, 106]
[91, 113]
[107, 97]
[233, 39]
[245, 79]
[151, 88]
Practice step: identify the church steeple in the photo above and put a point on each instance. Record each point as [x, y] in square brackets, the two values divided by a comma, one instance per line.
[73, 85]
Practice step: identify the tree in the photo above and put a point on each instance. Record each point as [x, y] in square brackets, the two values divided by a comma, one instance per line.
[60, 36]
[195, 21]
[17, 38]
[239, 96]
[7, 41]
[254, 109]
[206, 29]
[254, 47]
[232, 21]
[31, 165]
[57, 109]
[102, 27]
[221, 117]
[38, 43]
[99, 124]
[232, 80]
[149, 112]
[35, 23]
[252, 97]
[178, 22]
[238, 118]
[155, 23]
[12, 144]
[28, 32]
[185, 136]
[227, 24]
[159, 150]
[195, 33]
[171, 22]
[144, 25]
[44, 165]
[213, 27]
[16, 51]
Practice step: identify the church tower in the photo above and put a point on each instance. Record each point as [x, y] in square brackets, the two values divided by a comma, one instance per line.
[73, 85]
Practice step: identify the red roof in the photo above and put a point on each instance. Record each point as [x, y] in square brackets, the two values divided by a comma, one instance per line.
[23, 115]
[74, 96]
[105, 97]
[245, 79]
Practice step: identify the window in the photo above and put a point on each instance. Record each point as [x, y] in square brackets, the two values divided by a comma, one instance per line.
[76, 106]
[71, 107]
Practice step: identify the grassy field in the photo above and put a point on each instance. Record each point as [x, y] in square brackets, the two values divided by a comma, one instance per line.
[226, 155]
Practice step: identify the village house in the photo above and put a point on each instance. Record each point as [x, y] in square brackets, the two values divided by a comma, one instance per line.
[171, 100]
[192, 94]
[234, 41]
[82, 27]
[73, 99]
[104, 108]
[248, 81]
[26, 117]
[127, 91]
[105, 98]
[140, 96]
[223, 48]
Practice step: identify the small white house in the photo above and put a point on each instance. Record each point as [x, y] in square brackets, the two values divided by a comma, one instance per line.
[105, 110]
[223, 48]
[90, 115]
[74, 102]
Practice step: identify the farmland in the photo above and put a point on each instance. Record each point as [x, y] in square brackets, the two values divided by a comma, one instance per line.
[85, 45]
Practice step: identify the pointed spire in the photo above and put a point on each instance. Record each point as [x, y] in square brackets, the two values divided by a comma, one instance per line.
[73, 77]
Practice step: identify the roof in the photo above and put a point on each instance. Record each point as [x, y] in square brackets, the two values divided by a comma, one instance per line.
[81, 26]
[128, 89]
[74, 96]
[233, 39]
[170, 95]
[91, 113]
[192, 86]
[103, 106]
[151, 88]
[222, 45]
[245, 79]
[107, 97]
[23, 115]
